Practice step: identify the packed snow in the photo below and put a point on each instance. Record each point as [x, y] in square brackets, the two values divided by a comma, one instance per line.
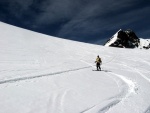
[144, 43]
[45, 74]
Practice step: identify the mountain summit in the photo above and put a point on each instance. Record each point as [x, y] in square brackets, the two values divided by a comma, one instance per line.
[127, 39]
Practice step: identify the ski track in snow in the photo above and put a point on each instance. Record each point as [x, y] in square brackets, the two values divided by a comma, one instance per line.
[38, 76]
[132, 88]
[109, 106]
[56, 101]
[122, 96]
[142, 75]
[95, 108]
[137, 71]
[148, 110]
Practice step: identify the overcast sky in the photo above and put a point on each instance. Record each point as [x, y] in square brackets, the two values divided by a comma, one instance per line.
[81, 20]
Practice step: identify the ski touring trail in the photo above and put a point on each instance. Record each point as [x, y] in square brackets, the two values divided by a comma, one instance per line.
[38, 76]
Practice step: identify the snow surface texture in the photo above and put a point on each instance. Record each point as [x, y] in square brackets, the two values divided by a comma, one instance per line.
[43, 74]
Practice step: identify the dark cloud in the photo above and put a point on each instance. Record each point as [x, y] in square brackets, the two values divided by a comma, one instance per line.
[82, 20]
[100, 20]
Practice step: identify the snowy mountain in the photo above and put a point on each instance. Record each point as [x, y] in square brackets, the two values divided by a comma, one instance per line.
[127, 39]
[44, 74]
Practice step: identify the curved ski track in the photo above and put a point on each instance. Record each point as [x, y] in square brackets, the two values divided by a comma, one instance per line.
[148, 110]
[100, 108]
[132, 89]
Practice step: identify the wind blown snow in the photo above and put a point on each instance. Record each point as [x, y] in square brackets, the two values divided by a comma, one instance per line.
[45, 74]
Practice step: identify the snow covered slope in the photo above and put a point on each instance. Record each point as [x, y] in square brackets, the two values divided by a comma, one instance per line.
[44, 74]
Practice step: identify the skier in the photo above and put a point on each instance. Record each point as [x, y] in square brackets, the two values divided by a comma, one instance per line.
[98, 63]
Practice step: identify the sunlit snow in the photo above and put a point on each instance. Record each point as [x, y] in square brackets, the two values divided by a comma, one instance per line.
[44, 74]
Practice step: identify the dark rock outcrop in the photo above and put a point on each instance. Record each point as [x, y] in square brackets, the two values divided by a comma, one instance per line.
[125, 39]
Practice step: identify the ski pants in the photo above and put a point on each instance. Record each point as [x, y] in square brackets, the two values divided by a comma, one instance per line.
[98, 66]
